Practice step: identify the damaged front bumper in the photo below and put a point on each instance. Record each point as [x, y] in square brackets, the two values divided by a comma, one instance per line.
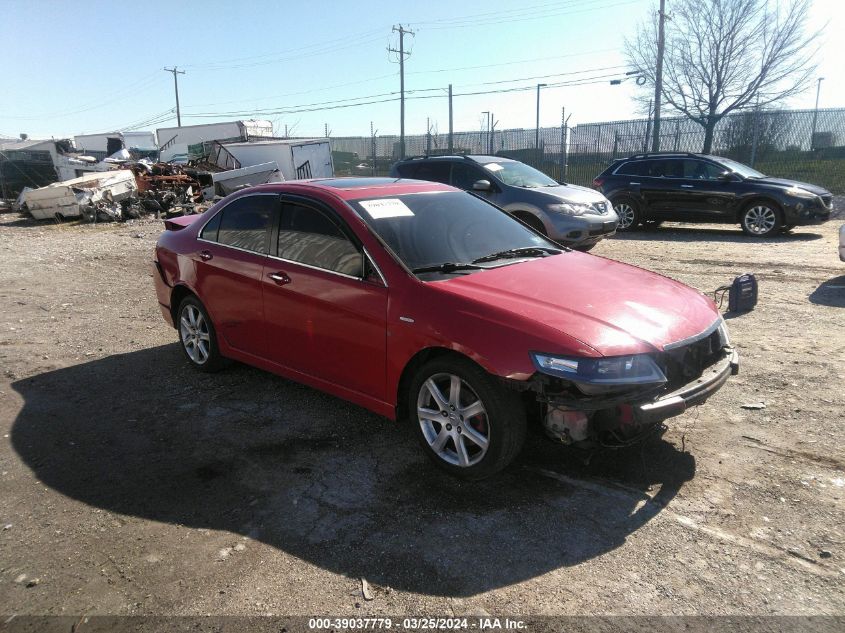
[619, 419]
[691, 394]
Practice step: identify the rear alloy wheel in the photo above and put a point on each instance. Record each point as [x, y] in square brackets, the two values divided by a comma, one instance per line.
[468, 425]
[761, 219]
[629, 215]
[196, 333]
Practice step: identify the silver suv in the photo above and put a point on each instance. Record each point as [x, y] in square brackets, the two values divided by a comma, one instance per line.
[571, 215]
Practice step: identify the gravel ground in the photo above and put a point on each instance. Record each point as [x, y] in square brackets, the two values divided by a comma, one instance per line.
[130, 484]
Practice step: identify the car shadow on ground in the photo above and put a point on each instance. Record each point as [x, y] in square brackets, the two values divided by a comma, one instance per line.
[142, 434]
[830, 293]
[705, 233]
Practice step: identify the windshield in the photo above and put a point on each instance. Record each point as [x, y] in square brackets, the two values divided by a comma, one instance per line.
[431, 229]
[519, 174]
[743, 170]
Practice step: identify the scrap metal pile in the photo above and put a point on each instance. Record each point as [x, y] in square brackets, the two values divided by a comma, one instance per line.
[139, 188]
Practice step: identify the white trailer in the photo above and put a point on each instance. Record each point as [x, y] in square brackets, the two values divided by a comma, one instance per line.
[297, 158]
[174, 141]
[114, 141]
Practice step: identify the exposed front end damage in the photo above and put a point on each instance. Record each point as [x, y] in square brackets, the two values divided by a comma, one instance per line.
[588, 410]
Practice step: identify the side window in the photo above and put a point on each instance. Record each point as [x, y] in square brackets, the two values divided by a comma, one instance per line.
[308, 236]
[701, 170]
[463, 175]
[244, 223]
[633, 168]
[209, 231]
[668, 168]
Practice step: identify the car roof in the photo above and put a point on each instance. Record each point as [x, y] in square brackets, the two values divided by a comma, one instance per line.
[356, 188]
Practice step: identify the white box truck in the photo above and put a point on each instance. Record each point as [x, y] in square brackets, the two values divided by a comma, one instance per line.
[297, 158]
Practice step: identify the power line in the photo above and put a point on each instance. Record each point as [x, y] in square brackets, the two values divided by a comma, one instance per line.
[584, 81]
[334, 102]
[504, 18]
[295, 54]
[121, 94]
[521, 61]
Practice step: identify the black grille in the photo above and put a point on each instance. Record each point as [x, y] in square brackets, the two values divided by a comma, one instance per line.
[684, 364]
[828, 201]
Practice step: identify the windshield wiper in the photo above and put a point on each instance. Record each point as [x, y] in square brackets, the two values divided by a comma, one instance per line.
[525, 251]
[446, 267]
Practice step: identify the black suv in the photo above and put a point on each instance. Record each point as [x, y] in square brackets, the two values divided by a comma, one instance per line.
[650, 188]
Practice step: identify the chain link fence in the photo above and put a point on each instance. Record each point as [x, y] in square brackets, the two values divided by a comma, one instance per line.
[804, 145]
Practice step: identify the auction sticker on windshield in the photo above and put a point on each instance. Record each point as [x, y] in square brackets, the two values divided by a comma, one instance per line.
[494, 167]
[386, 208]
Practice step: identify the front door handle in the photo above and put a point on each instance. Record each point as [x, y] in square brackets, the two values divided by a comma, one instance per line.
[279, 278]
[687, 186]
[205, 255]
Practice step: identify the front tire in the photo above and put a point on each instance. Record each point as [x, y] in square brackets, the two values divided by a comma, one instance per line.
[467, 423]
[761, 219]
[197, 336]
[629, 214]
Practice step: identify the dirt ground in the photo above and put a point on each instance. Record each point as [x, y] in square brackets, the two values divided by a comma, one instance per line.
[130, 484]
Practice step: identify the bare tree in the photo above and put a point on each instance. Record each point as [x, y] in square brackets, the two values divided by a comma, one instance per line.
[722, 55]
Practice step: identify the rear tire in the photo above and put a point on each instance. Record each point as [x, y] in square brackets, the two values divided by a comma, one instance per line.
[629, 213]
[761, 219]
[467, 423]
[197, 336]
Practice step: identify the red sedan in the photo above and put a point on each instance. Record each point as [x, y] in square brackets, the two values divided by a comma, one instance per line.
[420, 301]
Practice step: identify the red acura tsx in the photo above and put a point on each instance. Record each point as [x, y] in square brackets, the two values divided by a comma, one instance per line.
[422, 302]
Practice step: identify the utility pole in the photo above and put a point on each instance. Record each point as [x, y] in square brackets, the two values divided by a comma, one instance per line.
[176, 88]
[373, 141]
[493, 123]
[485, 139]
[815, 114]
[451, 144]
[658, 75]
[537, 132]
[402, 32]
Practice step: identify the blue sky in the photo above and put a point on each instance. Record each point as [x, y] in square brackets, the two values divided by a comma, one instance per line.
[96, 66]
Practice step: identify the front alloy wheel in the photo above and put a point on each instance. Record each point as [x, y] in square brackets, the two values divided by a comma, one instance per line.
[453, 420]
[628, 214]
[760, 220]
[468, 424]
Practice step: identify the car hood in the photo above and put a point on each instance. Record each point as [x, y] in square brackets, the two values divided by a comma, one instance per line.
[783, 182]
[572, 193]
[611, 307]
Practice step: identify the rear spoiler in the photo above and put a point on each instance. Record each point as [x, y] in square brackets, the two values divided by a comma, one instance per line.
[180, 222]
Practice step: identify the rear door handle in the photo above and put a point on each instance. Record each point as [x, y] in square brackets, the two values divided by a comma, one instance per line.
[205, 255]
[687, 186]
[279, 278]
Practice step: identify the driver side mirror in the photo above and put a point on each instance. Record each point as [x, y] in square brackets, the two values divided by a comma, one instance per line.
[481, 185]
[727, 176]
